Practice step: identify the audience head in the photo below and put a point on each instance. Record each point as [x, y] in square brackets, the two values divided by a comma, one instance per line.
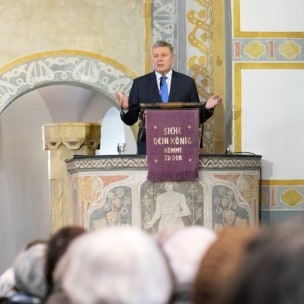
[29, 271]
[272, 271]
[34, 242]
[126, 265]
[7, 283]
[115, 265]
[220, 263]
[184, 249]
[57, 246]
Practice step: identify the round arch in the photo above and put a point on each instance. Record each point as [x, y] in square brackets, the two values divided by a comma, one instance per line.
[77, 68]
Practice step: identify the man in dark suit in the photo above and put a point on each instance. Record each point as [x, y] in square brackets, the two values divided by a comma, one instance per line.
[147, 88]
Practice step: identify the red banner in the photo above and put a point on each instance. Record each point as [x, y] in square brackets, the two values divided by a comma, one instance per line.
[172, 144]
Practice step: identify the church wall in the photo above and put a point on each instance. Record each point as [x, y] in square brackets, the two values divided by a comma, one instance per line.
[260, 77]
[114, 29]
[268, 92]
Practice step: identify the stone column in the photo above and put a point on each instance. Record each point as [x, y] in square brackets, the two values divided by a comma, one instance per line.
[64, 140]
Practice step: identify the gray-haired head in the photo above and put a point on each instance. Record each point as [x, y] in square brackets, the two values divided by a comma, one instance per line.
[29, 271]
[7, 282]
[115, 265]
[162, 43]
[185, 248]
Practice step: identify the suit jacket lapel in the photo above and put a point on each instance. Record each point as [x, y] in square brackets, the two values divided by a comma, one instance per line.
[154, 95]
[174, 86]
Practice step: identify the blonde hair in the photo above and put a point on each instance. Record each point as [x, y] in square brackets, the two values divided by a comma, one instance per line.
[162, 43]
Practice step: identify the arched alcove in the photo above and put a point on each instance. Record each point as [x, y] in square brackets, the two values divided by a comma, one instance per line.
[37, 89]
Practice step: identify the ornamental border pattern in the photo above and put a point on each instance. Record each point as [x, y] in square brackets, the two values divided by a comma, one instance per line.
[35, 73]
[268, 50]
[200, 23]
[282, 197]
[138, 163]
[164, 21]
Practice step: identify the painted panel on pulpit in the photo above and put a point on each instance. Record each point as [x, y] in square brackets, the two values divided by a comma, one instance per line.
[235, 199]
[116, 209]
[170, 204]
[227, 209]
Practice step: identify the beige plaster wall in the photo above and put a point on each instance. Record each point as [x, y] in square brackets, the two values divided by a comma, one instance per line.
[113, 28]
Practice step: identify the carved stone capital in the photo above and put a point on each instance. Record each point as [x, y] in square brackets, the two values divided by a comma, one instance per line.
[72, 135]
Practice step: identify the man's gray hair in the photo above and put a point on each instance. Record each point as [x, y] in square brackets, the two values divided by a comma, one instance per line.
[162, 43]
[29, 273]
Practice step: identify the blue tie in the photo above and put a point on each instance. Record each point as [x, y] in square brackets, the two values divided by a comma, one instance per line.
[163, 89]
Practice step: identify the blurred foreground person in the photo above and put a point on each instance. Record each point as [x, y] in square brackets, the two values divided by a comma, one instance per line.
[57, 245]
[272, 270]
[115, 265]
[220, 263]
[184, 249]
[30, 282]
[7, 283]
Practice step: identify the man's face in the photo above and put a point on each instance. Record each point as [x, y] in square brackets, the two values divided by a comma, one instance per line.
[162, 59]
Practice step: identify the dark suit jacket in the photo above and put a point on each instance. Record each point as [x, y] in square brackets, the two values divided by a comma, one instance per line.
[145, 90]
